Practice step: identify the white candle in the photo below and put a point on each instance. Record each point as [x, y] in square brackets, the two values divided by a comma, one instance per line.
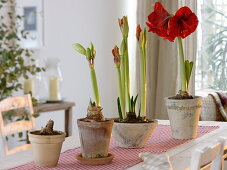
[29, 86]
[54, 93]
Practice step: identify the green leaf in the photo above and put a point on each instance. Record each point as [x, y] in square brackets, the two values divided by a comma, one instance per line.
[79, 48]
[35, 115]
[88, 54]
[134, 103]
[188, 70]
[119, 108]
[20, 134]
[92, 48]
[131, 103]
[139, 110]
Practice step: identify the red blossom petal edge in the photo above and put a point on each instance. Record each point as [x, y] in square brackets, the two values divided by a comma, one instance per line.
[183, 23]
[158, 21]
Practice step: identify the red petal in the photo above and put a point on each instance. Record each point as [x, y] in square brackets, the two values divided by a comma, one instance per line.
[174, 28]
[183, 11]
[138, 31]
[159, 9]
[183, 23]
[158, 21]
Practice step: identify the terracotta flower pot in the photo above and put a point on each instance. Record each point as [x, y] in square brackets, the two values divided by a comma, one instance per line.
[133, 135]
[94, 137]
[46, 148]
[184, 116]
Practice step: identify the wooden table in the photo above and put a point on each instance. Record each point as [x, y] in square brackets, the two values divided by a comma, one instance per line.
[66, 106]
[180, 156]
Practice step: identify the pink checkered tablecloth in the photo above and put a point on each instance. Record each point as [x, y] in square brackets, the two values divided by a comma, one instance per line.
[159, 142]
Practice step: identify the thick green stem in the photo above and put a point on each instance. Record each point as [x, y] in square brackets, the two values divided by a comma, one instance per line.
[143, 81]
[182, 65]
[122, 69]
[95, 86]
[127, 77]
[121, 93]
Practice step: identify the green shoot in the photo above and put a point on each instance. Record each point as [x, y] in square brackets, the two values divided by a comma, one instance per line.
[90, 56]
[119, 108]
[188, 71]
[133, 104]
[185, 67]
[142, 38]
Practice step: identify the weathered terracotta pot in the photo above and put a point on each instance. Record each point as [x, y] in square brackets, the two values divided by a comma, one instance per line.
[184, 116]
[133, 135]
[94, 137]
[46, 148]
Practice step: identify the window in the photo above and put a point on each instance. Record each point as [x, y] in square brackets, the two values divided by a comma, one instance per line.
[211, 72]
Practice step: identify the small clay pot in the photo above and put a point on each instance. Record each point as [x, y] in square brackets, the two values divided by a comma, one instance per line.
[133, 135]
[46, 148]
[94, 137]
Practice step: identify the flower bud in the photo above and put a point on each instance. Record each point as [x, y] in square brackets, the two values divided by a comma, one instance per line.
[142, 37]
[123, 23]
[138, 31]
[117, 56]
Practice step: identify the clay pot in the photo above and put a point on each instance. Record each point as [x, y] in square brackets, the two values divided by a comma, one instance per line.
[94, 137]
[46, 148]
[133, 135]
[184, 116]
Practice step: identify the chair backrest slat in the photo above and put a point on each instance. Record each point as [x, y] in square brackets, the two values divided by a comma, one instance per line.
[14, 103]
[18, 126]
[208, 156]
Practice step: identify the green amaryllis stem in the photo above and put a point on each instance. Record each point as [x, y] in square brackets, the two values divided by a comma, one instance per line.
[122, 68]
[95, 86]
[143, 81]
[182, 65]
[121, 93]
[127, 77]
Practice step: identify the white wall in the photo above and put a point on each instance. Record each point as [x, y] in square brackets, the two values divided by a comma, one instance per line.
[71, 21]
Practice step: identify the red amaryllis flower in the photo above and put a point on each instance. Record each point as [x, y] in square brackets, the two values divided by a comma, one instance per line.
[138, 31]
[158, 21]
[183, 23]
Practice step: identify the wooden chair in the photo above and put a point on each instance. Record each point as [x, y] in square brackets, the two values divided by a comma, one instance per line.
[13, 103]
[208, 157]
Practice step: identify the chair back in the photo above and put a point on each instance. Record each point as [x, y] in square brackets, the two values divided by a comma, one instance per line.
[208, 157]
[14, 103]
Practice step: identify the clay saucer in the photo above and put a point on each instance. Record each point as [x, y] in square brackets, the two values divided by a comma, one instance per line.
[95, 161]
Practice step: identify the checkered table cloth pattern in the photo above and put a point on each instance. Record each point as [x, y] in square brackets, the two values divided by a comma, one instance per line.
[159, 142]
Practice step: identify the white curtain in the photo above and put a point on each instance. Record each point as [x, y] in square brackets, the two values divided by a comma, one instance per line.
[162, 61]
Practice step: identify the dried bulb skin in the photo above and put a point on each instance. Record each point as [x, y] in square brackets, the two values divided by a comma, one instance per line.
[48, 130]
[95, 113]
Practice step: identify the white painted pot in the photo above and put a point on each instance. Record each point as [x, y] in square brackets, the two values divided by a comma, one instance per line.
[132, 135]
[46, 148]
[184, 116]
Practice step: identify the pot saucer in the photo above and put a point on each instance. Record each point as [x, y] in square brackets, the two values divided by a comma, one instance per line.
[94, 161]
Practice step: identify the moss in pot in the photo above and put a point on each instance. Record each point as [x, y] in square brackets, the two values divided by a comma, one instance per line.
[131, 130]
[95, 129]
[183, 108]
[46, 145]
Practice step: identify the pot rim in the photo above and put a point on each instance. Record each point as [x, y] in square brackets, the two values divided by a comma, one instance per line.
[196, 98]
[106, 122]
[139, 123]
[63, 134]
